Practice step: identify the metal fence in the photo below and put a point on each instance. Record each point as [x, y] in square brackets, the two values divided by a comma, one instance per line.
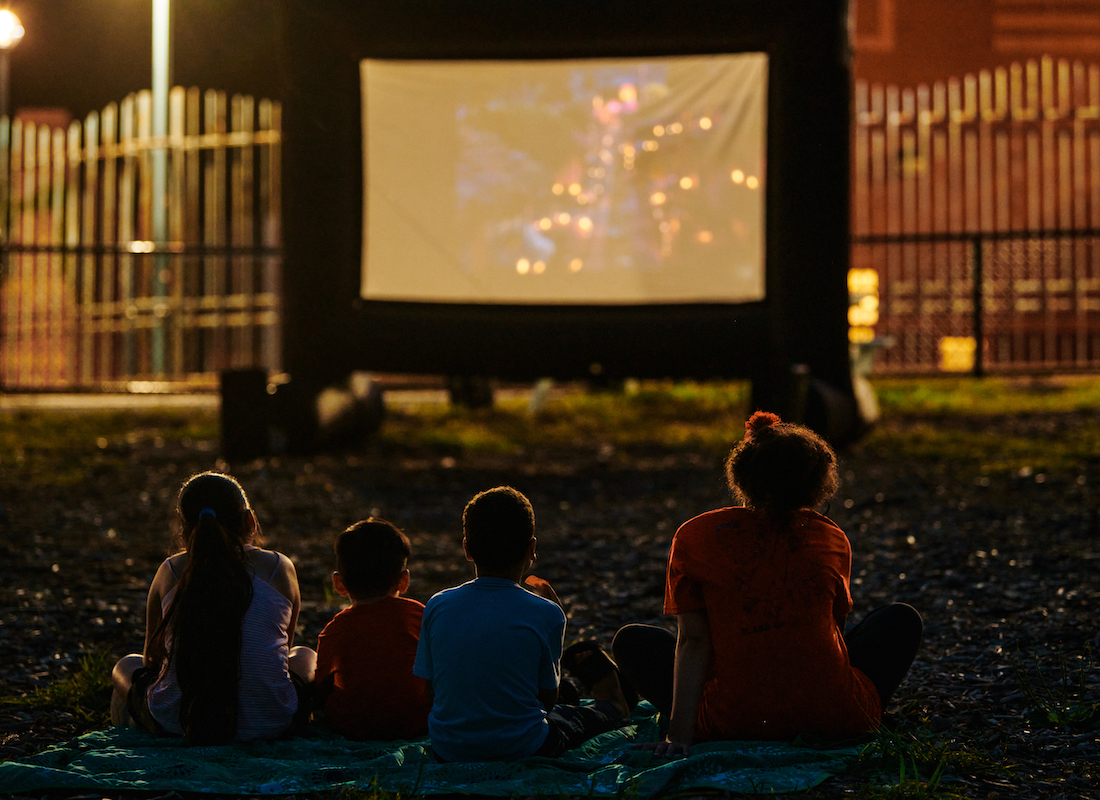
[976, 221]
[91, 297]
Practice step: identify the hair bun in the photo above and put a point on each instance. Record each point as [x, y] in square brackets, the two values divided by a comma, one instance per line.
[759, 421]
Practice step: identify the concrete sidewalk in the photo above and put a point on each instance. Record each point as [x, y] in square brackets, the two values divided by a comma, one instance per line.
[106, 402]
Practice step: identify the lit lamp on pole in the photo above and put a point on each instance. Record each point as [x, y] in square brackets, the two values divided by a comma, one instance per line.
[11, 32]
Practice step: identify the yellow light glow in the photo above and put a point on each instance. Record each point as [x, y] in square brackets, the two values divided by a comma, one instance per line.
[583, 199]
[628, 151]
[658, 130]
[574, 189]
[649, 145]
[538, 267]
[957, 353]
[563, 218]
[628, 93]
[557, 188]
[752, 182]
[599, 172]
[664, 226]
[584, 223]
[523, 266]
[608, 140]
[657, 198]
[862, 281]
[686, 182]
[861, 335]
[545, 223]
[575, 265]
[705, 123]
[11, 30]
[863, 316]
[675, 127]
[704, 237]
[737, 176]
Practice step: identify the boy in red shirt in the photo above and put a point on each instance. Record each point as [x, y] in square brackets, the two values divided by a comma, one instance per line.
[365, 655]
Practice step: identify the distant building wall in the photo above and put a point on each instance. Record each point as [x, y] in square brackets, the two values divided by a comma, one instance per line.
[907, 42]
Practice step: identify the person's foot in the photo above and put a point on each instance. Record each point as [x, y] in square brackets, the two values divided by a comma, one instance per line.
[599, 675]
[608, 687]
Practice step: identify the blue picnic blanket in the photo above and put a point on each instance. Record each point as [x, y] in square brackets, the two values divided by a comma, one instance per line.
[607, 766]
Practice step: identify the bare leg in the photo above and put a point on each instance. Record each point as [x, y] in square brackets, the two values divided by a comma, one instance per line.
[121, 678]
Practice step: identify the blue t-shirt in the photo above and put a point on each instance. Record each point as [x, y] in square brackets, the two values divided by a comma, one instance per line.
[488, 647]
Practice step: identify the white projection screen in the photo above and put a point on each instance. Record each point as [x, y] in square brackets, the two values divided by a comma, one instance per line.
[581, 182]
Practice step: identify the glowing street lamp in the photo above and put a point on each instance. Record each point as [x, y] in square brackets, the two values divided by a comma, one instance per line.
[11, 32]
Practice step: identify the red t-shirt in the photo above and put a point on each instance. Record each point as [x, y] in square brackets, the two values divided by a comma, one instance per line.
[368, 650]
[773, 598]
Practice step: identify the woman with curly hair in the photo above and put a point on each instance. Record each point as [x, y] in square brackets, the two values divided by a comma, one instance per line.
[761, 595]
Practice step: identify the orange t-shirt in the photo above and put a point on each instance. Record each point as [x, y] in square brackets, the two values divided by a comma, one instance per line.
[773, 598]
[368, 650]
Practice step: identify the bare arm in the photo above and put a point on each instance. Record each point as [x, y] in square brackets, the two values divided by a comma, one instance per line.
[693, 654]
[285, 581]
[163, 582]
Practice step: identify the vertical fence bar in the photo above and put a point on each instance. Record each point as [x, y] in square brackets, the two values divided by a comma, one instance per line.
[146, 266]
[111, 315]
[241, 233]
[176, 207]
[271, 216]
[88, 314]
[57, 272]
[27, 289]
[41, 237]
[6, 293]
[977, 324]
[127, 191]
[72, 241]
[193, 265]
[214, 187]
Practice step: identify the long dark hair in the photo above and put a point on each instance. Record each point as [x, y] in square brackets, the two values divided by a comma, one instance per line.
[211, 598]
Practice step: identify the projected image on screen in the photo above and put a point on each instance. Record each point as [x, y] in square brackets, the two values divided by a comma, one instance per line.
[565, 182]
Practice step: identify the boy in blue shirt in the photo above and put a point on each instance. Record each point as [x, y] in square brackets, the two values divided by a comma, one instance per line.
[491, 650]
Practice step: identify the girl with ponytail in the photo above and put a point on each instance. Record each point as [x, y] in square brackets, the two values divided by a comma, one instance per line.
[218, 664]
[761, 595]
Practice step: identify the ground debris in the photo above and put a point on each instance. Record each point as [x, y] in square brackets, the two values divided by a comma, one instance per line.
[1004, 570]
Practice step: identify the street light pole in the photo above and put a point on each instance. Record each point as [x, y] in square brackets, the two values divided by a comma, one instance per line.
[11, 32]
[162, 78]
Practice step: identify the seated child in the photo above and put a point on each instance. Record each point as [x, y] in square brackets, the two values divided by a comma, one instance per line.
[365, 654]
[491, 650]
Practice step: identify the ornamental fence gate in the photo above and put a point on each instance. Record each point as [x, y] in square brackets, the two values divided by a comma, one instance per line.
[92, 297]
[976, 222]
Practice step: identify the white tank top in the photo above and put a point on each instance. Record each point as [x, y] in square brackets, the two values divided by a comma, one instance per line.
[266, 697]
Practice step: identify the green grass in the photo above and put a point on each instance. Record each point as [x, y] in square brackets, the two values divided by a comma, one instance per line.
[666, 415]
[1062, 701]
[987, 396]
[59, 447]
[919, 764]
[85, 692]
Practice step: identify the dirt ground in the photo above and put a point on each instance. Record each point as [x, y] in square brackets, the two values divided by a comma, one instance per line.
[1004, 570]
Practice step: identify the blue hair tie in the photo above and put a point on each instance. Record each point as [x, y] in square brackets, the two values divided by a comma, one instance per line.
[206, 511]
